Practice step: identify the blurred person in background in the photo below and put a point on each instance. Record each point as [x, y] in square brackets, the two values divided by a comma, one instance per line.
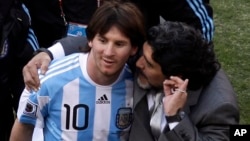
[17, 44]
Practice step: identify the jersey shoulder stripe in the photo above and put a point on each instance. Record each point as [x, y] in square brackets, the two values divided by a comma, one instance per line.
[61, 65]
[206, 21]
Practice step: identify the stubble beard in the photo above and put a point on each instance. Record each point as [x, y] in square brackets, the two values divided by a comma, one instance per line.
[145, 85]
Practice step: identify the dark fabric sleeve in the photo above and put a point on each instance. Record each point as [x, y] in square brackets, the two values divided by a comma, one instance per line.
[4, 9]
[197, 14]
[73, 44]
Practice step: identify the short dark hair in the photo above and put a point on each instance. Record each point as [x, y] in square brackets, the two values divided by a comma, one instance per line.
[182, 51]
[124, 15]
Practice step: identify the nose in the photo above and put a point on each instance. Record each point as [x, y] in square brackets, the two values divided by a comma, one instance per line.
[139, 63]
[109, 50]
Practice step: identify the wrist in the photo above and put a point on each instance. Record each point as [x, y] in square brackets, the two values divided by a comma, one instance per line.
[45, 50]
[176, 117]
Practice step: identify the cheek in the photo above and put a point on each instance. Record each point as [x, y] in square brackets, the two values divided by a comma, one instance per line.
[152, 77]
[148, 75]
[155, 79]
[97, 49]
[123, 54]
[138, 63]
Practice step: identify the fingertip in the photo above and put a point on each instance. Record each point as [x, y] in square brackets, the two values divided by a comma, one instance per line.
[42, 71]
[37, 87]
[165, 81]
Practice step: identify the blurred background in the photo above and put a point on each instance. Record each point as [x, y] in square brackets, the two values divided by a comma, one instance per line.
[232, 45]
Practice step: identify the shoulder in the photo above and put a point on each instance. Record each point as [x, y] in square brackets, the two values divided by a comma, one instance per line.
[61, 66]
[216, 103]
[220, 86]
[126, 76]
[127, 72]
[65, 62]
[219, 93]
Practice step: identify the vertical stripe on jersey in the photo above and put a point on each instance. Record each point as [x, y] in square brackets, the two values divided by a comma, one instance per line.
[206, 21]
[129, 93]
[71, 97]
[102, 114]
[124, 99]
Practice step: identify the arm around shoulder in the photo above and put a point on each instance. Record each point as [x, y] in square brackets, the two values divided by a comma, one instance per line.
[73, 44]
[63, 47]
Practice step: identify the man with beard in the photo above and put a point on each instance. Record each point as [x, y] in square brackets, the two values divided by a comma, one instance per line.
[198, 101]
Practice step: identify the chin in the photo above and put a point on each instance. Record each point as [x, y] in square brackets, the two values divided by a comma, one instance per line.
[143, 83]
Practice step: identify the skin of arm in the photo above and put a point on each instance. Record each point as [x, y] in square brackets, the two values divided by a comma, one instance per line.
[21, 131]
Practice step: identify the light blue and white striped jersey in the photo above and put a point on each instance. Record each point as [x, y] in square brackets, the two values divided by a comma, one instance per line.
[71, 107]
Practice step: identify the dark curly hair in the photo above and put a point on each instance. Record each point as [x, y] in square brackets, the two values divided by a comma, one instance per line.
[182, 51]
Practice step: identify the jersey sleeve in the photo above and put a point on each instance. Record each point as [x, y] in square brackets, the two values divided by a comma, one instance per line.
[32, 108]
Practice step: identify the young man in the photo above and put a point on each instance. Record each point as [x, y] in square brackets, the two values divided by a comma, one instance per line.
[199, 102]
[88, 96]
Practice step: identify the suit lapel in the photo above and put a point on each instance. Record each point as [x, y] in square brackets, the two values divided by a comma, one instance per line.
[140, 126]
[139, 93]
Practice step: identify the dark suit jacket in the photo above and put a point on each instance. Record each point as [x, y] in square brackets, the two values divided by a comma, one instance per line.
[209, 112]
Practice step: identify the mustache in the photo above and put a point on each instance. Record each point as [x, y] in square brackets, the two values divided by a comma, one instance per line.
[139, 72]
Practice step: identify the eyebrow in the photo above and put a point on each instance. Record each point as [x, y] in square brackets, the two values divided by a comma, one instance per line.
[125, 42]
[99, 35]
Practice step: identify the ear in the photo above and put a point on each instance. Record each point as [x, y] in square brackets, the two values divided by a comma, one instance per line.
[90, 43]
[134, 50]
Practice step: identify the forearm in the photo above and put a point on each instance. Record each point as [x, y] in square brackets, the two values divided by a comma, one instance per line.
[73, 44]
[21, 132]
[66, 46]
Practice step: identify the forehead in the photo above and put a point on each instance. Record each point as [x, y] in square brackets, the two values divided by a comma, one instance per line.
[147, 54]
[114, 32]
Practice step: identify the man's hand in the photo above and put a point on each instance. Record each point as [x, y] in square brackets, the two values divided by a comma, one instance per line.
[30, 70]
[175, 94]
